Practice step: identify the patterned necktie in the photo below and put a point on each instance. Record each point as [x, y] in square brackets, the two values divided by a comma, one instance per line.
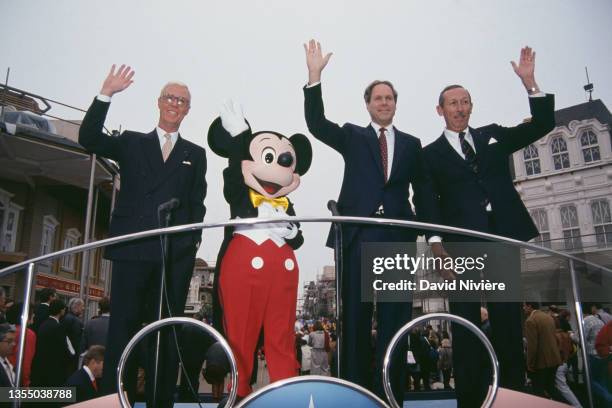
[167, 147]
[469, 153]
[382, 141]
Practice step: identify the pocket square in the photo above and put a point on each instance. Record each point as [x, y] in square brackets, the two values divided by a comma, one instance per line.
[492, 140]
[187, 162]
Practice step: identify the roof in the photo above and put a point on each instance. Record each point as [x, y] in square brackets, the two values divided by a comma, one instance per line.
[593, 109]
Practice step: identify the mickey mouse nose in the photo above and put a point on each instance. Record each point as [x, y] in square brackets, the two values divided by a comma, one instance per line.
[285, 159]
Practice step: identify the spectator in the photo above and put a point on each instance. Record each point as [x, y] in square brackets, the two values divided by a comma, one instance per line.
[96, 329]
[319, 364]
[46, 296]
[50, 363]
[566, 349]
[306, 357]
[217, 367]
[13, 316]
[85, 378]
[445, 361]
[543, 355]
[7, 341]
[597, 310]
[602, 370]
[73, 325]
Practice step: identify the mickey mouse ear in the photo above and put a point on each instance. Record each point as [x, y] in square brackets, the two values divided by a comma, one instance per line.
[219, 140]
[303, 150]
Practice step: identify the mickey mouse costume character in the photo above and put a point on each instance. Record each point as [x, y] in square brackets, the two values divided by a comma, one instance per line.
[257, 272]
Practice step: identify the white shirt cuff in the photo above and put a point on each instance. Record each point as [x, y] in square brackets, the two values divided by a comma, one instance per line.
[434, 239]
[537, 95]
[103, 98]
[313, 84]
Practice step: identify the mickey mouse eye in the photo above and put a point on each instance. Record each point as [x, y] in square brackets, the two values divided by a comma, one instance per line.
[268, 155]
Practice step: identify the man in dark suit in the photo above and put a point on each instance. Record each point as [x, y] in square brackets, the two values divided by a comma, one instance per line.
[85, 379]
[156, 168]
[50, 363]
[471, 173]
[7, 342]
[74, 327]
[46, 296]
[381, 163]
[96, 329]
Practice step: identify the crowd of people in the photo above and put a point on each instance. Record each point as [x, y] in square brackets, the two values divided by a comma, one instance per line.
[60, 348]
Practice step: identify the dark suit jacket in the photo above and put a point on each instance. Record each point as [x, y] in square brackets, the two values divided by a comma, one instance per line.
[95, 333]
[4, 380]
[50, 363]
[84, 388]
[462, 195]
[41, 313]
[363, 186]
[147, 182]
[74, 329]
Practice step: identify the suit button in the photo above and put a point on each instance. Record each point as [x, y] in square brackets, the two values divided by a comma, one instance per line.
[257, 262]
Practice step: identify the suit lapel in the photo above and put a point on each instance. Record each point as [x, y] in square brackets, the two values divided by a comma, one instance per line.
[398, 147]
[180, 152]
[152, 151]
[372, 141]
[444, 148]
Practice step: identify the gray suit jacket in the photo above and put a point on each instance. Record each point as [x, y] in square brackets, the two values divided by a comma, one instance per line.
[95, 333]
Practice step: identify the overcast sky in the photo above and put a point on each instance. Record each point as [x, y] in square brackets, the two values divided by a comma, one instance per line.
[252, 51]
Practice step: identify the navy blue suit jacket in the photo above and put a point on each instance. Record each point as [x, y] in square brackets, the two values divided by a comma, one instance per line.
[363, 186]
[462, 195]
[147, 182]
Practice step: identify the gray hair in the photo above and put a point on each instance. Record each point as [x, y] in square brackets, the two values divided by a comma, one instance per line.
[448, 88]
[177, 83]
[74, 302]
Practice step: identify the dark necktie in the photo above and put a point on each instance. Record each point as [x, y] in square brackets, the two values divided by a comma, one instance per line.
[382, 141]
[469, 153]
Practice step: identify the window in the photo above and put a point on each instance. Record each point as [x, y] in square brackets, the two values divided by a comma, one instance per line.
[47, 241]
[571, 228]
[70, 240]
[540, 218]
[602, 222]
[532, 160]
[9, 220]
[590, 147]
[559, 153]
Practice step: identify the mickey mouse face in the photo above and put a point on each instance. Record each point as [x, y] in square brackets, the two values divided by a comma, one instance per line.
[271, 172]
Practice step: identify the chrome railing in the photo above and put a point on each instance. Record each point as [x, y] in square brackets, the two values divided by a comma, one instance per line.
[572, 260]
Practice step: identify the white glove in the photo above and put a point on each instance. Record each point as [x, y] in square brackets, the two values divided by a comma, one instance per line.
[232, 117]
[286, 230]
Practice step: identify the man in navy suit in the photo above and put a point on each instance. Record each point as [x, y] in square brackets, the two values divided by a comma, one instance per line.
[85, 379]
[155, 169]
[381, 163]
[471, 173]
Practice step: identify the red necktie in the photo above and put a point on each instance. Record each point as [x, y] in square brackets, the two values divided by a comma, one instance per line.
[95, 384]
[382, 141]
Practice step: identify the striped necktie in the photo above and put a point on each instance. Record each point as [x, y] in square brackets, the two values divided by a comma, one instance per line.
[469, 153]
[167, 147]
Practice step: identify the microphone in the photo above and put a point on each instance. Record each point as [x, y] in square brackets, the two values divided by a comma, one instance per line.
[332, 206]
[169, 205]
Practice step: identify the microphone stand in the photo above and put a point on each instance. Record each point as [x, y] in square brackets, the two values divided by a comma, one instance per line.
[162, 282]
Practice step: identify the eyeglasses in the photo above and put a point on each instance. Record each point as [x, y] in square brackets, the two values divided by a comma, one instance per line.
[179, 100]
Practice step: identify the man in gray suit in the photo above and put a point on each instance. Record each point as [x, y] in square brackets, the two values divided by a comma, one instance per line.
[95, 330]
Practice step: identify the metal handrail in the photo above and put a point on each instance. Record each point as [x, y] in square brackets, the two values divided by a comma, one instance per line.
[255, 221]
[335, 219]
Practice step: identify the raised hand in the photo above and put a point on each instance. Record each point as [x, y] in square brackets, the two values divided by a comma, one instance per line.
[232, 117]
[117, 82]
[315, 60]
[525, 69]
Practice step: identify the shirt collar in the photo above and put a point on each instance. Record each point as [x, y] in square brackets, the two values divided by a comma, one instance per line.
[161, 132]
[452, 134]
[89, 373]
[389, 129]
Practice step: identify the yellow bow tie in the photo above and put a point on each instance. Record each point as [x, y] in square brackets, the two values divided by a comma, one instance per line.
[257, 199]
